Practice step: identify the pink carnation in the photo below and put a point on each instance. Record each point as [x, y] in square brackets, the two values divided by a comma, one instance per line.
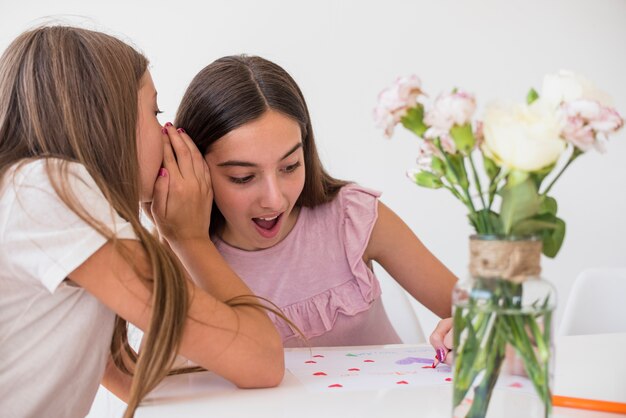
[479, 133]
[395, 101]
[447, 143]
[450, 109]
[587, 123]
[425, 154]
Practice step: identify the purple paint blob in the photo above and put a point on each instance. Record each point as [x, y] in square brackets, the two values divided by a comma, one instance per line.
[410, 360]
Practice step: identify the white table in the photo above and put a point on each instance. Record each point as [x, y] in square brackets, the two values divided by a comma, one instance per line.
[579, 372]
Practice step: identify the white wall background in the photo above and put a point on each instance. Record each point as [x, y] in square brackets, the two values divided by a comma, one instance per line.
[342, 53]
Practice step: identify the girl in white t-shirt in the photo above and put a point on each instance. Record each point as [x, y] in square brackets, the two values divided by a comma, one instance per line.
[80, 149]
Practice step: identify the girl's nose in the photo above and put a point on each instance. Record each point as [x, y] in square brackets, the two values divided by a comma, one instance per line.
[271, 197]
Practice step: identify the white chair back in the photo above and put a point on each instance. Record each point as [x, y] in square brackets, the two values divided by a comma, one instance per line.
[400, 310]
[597, 303]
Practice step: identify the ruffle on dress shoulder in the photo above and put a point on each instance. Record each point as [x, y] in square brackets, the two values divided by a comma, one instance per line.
[317, 315]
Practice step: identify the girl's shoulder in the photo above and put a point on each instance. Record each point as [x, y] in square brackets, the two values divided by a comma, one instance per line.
[52, 226]
[36, 174]
[352, 201]
[353, 194]
[352, 214]
[52, 191]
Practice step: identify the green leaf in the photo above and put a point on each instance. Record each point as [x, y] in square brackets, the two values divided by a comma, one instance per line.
[474, 222]
[493, 219]
[491, 167]
[463, 138]
[438, 166]
[553, 239]
[532, 226]
[427, 179]
[531, 96]
[519, 201]
[547, 205]
[414, 120]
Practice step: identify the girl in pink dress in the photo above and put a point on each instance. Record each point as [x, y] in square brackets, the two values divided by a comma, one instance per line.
[293, 233]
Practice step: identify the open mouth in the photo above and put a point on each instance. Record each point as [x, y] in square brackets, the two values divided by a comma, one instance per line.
[268, 226]
[267, 223]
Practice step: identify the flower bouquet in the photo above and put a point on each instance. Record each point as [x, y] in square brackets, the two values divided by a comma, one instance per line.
[502, 168]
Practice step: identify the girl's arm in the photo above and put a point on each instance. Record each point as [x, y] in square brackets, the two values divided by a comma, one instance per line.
[117, 382]
[239, 343]
[395, 247]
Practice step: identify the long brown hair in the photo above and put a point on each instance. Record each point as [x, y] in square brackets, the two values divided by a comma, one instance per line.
[71, 94]
[235, 90]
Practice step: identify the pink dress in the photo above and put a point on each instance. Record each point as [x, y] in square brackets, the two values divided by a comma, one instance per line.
[317, 275]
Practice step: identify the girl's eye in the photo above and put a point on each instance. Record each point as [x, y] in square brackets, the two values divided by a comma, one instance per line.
[157, 112]
[241, 180]
[291, 168]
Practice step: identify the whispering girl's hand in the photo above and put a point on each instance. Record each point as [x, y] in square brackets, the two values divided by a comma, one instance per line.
[183, 196]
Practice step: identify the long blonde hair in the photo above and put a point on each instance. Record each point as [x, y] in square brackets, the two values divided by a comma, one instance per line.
[71, 94]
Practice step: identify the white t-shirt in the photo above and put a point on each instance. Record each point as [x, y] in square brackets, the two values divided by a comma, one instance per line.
[54, 335]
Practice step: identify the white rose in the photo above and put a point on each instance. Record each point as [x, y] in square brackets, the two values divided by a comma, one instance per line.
[523, 137]
[566, 86]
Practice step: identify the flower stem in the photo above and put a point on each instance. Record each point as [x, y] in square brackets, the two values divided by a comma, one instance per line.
[577, 152]
[493, 187]
[469, 203]
[480, 194]
[456, 193]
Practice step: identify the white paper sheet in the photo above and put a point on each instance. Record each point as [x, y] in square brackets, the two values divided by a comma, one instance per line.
[345, 369]
[387, 368]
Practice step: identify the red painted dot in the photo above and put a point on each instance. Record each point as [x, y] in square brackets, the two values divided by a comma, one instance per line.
[354, 369]
[318, 355]
[448, 379]
[515, 385]
[402, 382]
[428, 367]
[319, 374]
[310, 362]
[368, 361]
[336, 385]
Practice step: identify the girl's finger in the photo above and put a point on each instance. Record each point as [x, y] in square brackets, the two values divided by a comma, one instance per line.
[169, 159]
[439, 338]
[181, 150]
[207, 176]
[196, 157]
[449, 359]
[159, 195]
[447, 341]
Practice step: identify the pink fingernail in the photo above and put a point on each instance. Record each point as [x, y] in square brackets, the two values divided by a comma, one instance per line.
[168, 124]
[441, 355]
[162, 172]
[164, 130]
[180, 130]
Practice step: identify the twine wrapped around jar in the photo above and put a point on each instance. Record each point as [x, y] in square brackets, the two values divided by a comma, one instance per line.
[514, 259]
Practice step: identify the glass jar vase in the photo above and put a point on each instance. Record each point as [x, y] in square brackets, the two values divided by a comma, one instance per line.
[502, 319]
